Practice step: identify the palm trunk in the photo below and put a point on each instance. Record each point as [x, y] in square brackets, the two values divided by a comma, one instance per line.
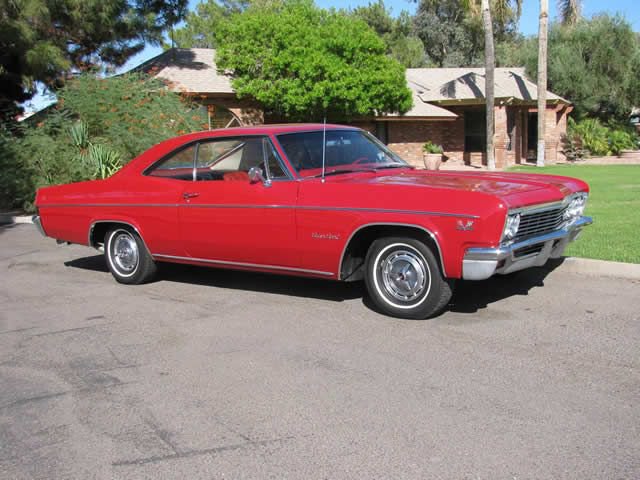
[542, 79]
[490, 65]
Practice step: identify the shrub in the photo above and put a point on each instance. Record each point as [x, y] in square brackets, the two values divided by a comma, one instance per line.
[131, 112]
[16, 184]
[622, 139]
[430, 147]
[572, 147]
[601, 139]
[97, 126]
[594, 135]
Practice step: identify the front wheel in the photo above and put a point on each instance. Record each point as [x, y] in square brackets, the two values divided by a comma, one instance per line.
[404, 280]
[127, 257]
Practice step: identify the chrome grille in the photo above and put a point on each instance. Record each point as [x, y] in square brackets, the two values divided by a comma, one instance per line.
[539, 223]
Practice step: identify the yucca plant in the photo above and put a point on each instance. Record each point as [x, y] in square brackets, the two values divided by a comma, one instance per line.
[105, 161]
[100, 160]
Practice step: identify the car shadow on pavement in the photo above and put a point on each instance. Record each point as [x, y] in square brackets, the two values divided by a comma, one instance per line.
[241, 280]
[469, 297]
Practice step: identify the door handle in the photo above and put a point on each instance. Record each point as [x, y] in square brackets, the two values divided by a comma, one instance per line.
[188, 195]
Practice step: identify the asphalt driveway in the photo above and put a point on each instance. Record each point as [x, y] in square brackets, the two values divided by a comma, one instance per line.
[216, 374]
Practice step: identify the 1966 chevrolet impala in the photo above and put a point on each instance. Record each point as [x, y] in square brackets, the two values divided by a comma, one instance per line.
[320, 201]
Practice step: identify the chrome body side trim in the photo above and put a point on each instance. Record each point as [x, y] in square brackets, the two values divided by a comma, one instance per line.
[93, 244]
[482, 263]
[36, 221]
[382, 224]
[298, 207]
[243, 264]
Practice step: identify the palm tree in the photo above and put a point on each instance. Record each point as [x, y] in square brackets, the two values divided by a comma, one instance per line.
[502, 9]
[489, 84]
[569, 11]
[542, 78]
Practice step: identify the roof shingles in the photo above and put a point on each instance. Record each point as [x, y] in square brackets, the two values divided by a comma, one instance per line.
[194, 70]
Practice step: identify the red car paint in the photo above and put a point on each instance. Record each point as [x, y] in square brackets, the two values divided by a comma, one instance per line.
[300, 226]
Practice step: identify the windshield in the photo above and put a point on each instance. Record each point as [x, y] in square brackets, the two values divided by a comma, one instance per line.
[345, 151]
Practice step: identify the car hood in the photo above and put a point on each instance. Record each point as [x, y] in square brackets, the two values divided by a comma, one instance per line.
[515, 189]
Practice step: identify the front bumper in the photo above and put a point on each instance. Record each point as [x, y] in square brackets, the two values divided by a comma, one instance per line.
[482, 263]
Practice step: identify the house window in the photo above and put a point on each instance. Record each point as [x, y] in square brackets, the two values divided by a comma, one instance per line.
[220, 117]
[382, 132]
[475, 131]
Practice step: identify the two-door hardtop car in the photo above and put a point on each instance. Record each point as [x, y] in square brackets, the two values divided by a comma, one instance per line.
[325, 201]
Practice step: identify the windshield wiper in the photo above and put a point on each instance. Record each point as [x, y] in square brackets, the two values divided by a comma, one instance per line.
[393, 165]
[340, 170]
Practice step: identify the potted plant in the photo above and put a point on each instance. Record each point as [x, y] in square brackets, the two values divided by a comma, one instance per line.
[432, 156]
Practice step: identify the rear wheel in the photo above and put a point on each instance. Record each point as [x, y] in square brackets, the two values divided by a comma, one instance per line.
[404, 280]
[127, 257]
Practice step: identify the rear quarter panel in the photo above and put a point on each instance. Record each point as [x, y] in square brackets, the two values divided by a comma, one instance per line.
[149, 204]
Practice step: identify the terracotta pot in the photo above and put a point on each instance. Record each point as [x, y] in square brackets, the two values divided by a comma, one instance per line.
[432, 161]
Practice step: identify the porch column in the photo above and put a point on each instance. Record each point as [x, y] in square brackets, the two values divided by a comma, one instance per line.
[501, 139]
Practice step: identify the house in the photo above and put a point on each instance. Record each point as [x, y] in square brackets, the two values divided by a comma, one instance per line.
[448, 109]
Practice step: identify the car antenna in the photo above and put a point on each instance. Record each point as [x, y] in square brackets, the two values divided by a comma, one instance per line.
[324, 143]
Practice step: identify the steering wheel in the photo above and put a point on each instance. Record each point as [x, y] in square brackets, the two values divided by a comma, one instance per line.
[360, 160]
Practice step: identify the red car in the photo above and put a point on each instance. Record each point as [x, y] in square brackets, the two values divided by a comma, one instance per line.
[318, 201]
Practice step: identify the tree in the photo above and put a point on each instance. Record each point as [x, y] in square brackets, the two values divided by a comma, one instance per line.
[302, 63]
[542, 79]
[502, 8]
[49, 40]
[595, 64]
[569, 11]
[450, 35]
[397, 33]
[489, 84]
[199, 30]
[452, 30]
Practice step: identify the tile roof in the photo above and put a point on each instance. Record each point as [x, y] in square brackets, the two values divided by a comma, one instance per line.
[189, 69]
[194, 70]
[460, 84]
[423, 109]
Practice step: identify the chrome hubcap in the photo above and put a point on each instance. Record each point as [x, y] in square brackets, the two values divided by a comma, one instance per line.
[125, 252]
[404, 275]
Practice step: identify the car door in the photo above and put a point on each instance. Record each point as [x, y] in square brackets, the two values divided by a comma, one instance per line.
[157, 198]
[226, 218]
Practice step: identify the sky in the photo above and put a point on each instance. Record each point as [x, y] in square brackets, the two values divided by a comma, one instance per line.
[528, 23]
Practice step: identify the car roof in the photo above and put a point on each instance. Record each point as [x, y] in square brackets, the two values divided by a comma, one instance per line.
[144, 160]
[271, 129]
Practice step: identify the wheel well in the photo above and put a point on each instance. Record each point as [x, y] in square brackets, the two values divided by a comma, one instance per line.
[99, 230]
[351, 267]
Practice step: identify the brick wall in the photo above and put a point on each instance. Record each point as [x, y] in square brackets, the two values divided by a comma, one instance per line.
[406, 138]
[247, 112]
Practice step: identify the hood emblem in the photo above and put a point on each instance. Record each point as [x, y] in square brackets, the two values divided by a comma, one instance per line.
[464, 225]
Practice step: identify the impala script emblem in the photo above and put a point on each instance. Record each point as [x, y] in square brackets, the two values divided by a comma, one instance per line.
[464, 226]
[325, 236]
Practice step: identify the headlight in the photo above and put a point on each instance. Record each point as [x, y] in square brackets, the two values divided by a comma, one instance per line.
[511, 226]
[576, 207]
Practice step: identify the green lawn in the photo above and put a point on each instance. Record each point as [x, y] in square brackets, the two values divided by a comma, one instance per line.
[614, 204]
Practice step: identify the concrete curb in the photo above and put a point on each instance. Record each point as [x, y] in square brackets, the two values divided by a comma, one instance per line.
[601, 268]
[10, 219]
[584, 266]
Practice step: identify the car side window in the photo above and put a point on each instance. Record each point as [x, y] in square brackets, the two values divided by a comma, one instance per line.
[274, 165]
[231, 159]
[221, 159]
[178, 166]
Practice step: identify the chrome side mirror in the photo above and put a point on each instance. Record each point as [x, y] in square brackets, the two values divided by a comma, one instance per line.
[255, 176]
